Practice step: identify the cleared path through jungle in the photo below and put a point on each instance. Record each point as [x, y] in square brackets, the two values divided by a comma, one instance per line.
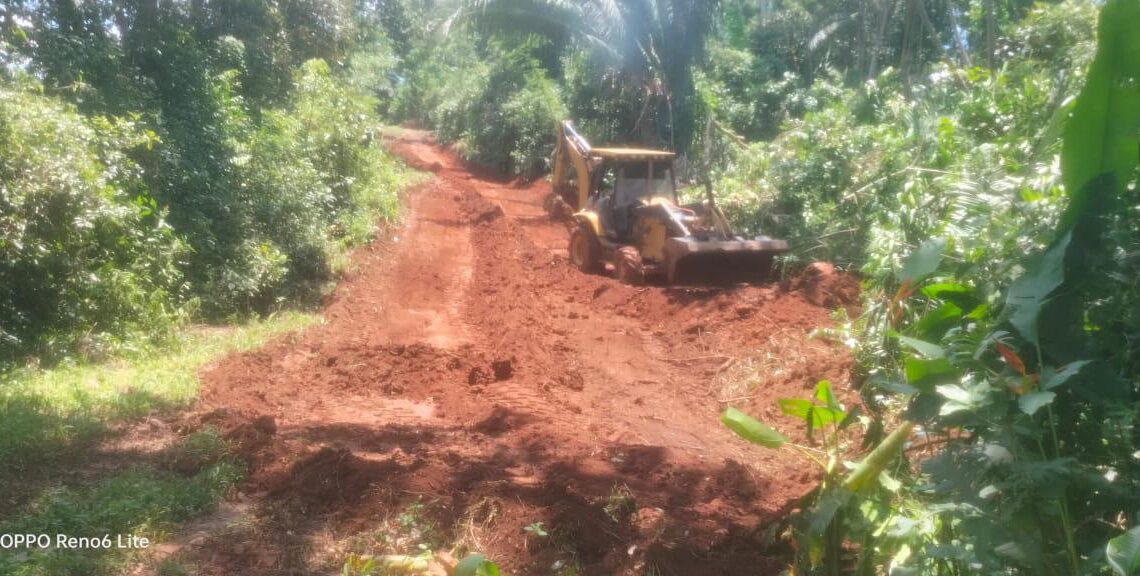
[465, 365]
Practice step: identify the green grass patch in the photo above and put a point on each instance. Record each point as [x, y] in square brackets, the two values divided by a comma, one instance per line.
[48, 414]
[143, 503]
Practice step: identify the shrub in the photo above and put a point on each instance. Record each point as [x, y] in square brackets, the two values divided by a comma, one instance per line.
[861, 175]
[311, 179]
[87, 260]
[809, 185]
[112, 232]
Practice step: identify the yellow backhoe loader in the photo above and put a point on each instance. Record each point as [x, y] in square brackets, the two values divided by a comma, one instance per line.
[624, 210]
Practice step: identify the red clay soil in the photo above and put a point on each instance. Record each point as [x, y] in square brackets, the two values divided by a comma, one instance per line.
[463, 361]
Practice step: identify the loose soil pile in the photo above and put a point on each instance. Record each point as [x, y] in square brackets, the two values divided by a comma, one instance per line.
[465, 365]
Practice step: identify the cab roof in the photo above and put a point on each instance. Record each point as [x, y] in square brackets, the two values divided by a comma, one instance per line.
[634, 154]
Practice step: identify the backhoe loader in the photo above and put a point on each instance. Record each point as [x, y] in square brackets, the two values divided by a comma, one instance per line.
[624, 212]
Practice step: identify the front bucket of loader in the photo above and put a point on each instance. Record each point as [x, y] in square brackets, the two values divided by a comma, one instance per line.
[692, 261]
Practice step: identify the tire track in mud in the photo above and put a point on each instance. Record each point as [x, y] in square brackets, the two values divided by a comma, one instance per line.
[464, 361]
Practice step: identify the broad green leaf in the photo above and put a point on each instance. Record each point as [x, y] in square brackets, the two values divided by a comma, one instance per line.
[815, 549]
[961, 295]
[955, 394]
[1032, 289]
[946, 290]
[1123, 553]
[752, 429]
[823, 512]
[926, 349]
[822, 416]
[813, 416]
[824, 394]
[888, 482]
[923, 261]
[469, 565]
[1020, 554]
[1052, 378]
[898, 387]
[1101, 135]
[924, 374]
[476, 565]
[797, 407]
[936, 322]
[979, 312]
[851, 417]
[1033, 401]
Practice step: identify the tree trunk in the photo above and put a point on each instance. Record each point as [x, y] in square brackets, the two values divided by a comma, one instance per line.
[920, 5]
[991, 33]
[877, 40]
[958, 35]
[861, 51]
[908, 44]
[197, 12]
[146, 11]
[67, 17]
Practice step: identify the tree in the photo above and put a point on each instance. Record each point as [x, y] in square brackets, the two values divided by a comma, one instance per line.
[647, 47]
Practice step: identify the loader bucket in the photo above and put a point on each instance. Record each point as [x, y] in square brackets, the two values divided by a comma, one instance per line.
[692, 261]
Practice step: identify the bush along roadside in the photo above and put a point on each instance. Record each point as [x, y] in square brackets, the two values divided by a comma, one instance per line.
[102, 252]
[860, 172]
[1013, 408]
[88, 261]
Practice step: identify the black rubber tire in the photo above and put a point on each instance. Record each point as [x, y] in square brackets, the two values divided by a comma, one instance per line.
[585, 251]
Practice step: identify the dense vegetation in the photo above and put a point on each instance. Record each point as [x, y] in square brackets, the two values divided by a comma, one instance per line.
[973, 160]
[165, 161]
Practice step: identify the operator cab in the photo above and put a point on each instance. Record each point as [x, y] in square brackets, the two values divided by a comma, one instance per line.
[638, 184]
[625, 186]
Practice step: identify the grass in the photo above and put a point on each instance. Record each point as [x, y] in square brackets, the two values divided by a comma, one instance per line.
[50, 414]
[48, 417]
[144, 502]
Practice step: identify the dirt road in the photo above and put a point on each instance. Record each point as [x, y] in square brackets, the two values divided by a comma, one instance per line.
[468, 373]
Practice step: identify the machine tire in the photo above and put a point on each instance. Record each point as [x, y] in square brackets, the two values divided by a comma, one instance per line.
[628, 266]
[585, 251]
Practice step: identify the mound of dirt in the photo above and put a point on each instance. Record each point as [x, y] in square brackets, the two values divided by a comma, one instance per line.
[479, 211]
[822, 285]
[329, 478]
[500, 421]
[247, 433]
